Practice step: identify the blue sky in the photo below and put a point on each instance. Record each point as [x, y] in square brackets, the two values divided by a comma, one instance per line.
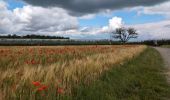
[141, 18]
[129, 17]
[12, 4]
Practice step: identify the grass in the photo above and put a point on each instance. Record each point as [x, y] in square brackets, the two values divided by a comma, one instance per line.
[139, 79]
[57, 69]
[166, 46]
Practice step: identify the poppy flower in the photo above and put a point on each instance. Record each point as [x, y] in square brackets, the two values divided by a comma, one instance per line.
[33, 61]
[36, 83]
[60, 90]
[40, 89]
[44, 87]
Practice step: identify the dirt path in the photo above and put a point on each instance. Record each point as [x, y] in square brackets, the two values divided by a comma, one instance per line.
[165, 52]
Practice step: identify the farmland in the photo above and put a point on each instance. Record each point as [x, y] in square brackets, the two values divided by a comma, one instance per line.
[54, 72]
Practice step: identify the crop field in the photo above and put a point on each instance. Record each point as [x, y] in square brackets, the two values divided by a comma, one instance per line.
[41, 72]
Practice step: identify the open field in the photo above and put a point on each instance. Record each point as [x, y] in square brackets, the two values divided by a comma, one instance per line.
[141, 78]
[31, 73]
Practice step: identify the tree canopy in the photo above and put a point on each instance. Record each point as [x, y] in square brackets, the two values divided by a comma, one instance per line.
[124, 35]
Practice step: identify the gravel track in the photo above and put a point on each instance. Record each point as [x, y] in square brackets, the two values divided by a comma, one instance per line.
[165, 52]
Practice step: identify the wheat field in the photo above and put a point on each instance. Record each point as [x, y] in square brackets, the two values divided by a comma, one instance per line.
[31, 73]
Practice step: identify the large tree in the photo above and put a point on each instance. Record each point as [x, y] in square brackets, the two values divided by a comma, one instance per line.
[124, 35]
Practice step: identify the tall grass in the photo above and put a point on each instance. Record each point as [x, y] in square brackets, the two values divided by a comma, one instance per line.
[141, 78]
[56, 67]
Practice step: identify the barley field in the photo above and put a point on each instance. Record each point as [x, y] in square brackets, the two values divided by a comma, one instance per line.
[41, 72]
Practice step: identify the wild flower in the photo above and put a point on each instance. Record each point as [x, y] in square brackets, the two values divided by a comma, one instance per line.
[60, 90]
[40, 89]
[36, 83]
[40, 86]
[33, 61]
[44, 87]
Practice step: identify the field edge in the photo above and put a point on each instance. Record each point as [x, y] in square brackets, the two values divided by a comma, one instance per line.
[129, 82]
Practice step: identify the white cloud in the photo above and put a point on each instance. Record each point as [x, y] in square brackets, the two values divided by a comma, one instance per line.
[105, 13]
[155, 30]
[2, 5]
[88, 16]
[115, 22]
[98, 32]
[51, 21]
[36, 20]
[162, 9]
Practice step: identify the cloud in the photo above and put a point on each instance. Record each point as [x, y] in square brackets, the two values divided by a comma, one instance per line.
[83, 7]
[162, 9]
[52, 20]
[99, 32]
[7, 19]
[36, 20]
[114, 22]
[155, 30]
[55, 21]
[88, 16]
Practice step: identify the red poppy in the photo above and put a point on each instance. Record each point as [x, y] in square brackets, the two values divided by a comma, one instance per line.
[60, 90]
[40, 89]
[36, 83]
[33, 61]
[44, 87]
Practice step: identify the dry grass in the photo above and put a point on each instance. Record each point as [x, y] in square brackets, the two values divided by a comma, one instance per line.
[20, 66]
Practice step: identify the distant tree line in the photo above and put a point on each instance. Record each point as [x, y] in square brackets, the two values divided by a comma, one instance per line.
[157, 42]
[77, 42]
[32, 36]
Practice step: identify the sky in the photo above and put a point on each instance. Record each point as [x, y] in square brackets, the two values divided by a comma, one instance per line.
[85, 19]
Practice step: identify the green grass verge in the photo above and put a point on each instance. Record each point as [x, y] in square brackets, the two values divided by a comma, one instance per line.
[166, 46]
[139, 79]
